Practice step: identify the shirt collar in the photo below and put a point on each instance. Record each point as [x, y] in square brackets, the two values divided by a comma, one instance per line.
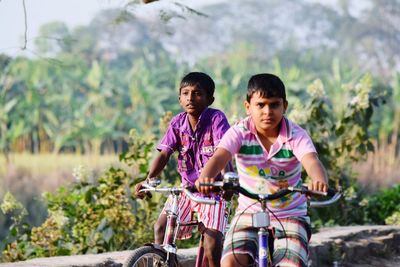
[285, 132]
[186, 124]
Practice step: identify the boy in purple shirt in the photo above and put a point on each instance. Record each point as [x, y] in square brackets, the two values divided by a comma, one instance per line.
[194, 133]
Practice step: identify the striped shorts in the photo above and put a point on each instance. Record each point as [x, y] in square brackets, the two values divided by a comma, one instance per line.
[212, 216]
[290, 246]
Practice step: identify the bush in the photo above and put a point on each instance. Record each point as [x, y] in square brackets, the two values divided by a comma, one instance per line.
[90, 216]
[383, 207]
[340, 139]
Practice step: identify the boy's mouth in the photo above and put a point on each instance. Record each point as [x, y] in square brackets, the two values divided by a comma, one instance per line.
[269, 120]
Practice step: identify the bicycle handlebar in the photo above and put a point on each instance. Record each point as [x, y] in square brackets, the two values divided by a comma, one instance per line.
[188, 191]
[231, 183]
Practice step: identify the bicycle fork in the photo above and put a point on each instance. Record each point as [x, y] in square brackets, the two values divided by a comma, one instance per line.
[264, 257]
[171, 232]
[261, 220]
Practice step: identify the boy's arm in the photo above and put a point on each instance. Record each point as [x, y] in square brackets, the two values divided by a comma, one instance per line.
[316, 171]
[159, 163]
[228, 168]
[220, 126]
[156, 167]
[212, 168]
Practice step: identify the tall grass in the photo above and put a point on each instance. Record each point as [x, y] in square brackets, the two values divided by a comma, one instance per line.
[45, 172]
[381, 168]
[27, 176]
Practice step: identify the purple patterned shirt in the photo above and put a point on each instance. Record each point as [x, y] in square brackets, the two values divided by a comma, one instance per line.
[195, 148]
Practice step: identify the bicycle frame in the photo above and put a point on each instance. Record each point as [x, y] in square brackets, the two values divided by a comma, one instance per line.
[171, 233]
[261, 220]
[173, 225]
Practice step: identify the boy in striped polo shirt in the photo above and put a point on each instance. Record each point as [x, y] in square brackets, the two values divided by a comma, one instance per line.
[270, 151]
[194, 134]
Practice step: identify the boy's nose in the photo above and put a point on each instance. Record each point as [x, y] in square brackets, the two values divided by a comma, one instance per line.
[266, 109]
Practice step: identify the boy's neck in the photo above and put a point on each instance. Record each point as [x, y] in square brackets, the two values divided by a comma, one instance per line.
[274, 133]
[268, 138]
[193, 120]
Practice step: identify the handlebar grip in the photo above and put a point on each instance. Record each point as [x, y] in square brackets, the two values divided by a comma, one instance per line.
[330, 193]
[192, 189]
[216, 186]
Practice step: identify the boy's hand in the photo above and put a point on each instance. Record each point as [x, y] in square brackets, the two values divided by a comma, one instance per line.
[318, 185]
[204, 189]
[139, 194]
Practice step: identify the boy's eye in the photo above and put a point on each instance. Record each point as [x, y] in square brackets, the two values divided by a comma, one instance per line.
[195, 93]
[274, 105]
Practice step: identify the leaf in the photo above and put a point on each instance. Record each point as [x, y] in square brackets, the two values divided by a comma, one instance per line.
[94, 76]
[13, 231]
[10, 104]
[102, 224]
[108, 234]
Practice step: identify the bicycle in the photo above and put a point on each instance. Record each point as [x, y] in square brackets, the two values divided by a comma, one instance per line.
[261, 220]
[165, 255]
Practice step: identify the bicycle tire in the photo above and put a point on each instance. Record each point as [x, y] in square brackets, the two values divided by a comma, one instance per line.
[145, 257]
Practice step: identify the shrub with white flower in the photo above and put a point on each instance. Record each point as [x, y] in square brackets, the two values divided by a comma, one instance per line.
[298, 114]
[362, 91]
[316, 89]
[82, 174]
[59, 217]
[11, 204]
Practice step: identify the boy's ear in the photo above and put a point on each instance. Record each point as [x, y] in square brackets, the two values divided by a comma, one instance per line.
[247, 107]
[211, 100]
[285, 105]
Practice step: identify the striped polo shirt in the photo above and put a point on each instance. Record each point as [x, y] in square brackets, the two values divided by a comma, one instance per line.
[261, 171]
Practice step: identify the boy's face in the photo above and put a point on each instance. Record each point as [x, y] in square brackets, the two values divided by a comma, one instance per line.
[194, 100]
[266, 113]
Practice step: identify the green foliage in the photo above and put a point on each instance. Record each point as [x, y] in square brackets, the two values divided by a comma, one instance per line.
[139, 153]
[341, 139]
[90, 216]
[18, 230]
[393, 219]
[383, 207]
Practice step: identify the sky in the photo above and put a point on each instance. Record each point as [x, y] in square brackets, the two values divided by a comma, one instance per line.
[39, 12]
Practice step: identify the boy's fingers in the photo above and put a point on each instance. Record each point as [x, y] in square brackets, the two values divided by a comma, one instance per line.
[139, 194]
[318, 186]
[205, 189]
[197, 184]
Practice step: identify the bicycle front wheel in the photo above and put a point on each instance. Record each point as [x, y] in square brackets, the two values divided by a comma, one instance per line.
[147, 257]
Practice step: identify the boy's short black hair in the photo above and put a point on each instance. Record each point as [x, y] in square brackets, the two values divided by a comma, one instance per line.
[268, 85]
[199, 80]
